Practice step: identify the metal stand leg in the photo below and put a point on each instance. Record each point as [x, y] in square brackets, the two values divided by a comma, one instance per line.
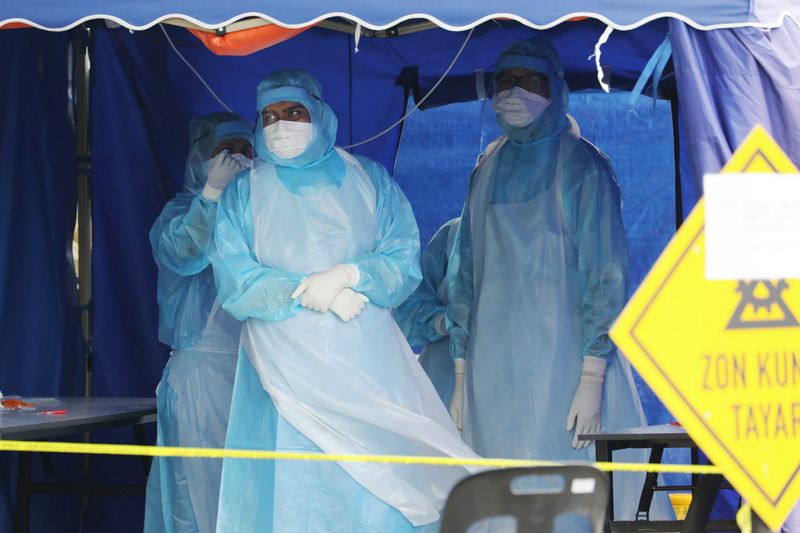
[758, 524]
[650, 483]
[603, 455]
[86, 468]
[702, 500]
[23, 492]
[47, 464]
[138, 434]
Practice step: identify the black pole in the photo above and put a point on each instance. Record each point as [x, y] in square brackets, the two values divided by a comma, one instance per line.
[81, 65]
[676, 148]
[83, 176]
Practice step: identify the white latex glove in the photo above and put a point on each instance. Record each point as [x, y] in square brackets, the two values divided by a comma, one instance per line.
[440, 326]
[348, 304]
[457, 402]
[221, 171]
[318, 290]
[584, 414]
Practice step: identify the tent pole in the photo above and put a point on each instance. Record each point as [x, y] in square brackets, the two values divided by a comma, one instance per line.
[83, 183]
[676, 144]
[80, 50]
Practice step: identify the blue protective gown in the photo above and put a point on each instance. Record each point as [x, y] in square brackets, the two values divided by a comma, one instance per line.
[416, 316]
[306, 381]
[194, 394]
[536, 278]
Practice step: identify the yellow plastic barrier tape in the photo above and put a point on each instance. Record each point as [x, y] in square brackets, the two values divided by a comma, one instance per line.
[175, 451]
[744, 518]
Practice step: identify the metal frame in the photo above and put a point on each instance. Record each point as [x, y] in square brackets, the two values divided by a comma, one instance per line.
[704, 487]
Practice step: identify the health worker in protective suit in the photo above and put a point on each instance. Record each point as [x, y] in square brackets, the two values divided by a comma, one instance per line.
[194, 394]
[422, 316]
[314, 246]
[536, 278]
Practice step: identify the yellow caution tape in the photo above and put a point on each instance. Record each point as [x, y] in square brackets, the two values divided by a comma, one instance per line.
[744, 518]
[176, 451]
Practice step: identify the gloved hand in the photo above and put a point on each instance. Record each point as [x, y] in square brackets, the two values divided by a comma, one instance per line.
[221, 171]
[243, 160]
[348, 304]
[440, 325]
[457, 402]
[318, 290]
[584, 414]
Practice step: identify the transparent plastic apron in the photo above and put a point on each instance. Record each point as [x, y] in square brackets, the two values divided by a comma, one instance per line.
[194, 402]
[435, 357]
[355, 387]
[521, 372]
[523, 360]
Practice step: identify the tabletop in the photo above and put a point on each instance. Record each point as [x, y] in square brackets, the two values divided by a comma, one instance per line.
[663, 433]
[52, 417]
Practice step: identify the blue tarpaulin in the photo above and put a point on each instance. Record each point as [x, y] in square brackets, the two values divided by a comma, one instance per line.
[39, 320]
[730, 81]
[143, 96]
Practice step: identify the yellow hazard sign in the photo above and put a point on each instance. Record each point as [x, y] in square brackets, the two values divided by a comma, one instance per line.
[724, 356]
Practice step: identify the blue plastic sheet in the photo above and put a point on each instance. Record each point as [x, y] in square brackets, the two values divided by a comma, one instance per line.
[39, 316]
[623, 57]
[728, 82]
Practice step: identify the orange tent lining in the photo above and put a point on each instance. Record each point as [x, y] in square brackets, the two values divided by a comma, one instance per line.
[238, 43]
[12, 25]
[245, 42]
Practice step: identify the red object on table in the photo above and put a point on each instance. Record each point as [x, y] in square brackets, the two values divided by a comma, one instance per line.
[15, 404]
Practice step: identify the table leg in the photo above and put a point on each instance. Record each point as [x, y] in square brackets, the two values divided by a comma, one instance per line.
[47, 464]
[650, 483]
[702, 500]
[603, 455]
[138, 434]
[86, 472]
[23, 492]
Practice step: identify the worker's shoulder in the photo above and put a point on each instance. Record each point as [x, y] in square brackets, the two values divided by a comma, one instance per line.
[377, 173]
[590, 156]
[370, 165]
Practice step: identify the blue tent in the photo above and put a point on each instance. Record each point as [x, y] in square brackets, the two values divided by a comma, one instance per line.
[137, 101]
[622, 14]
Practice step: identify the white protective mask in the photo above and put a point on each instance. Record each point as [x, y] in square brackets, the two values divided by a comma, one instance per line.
[519, 107]
[243, 160]
[288, 139]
